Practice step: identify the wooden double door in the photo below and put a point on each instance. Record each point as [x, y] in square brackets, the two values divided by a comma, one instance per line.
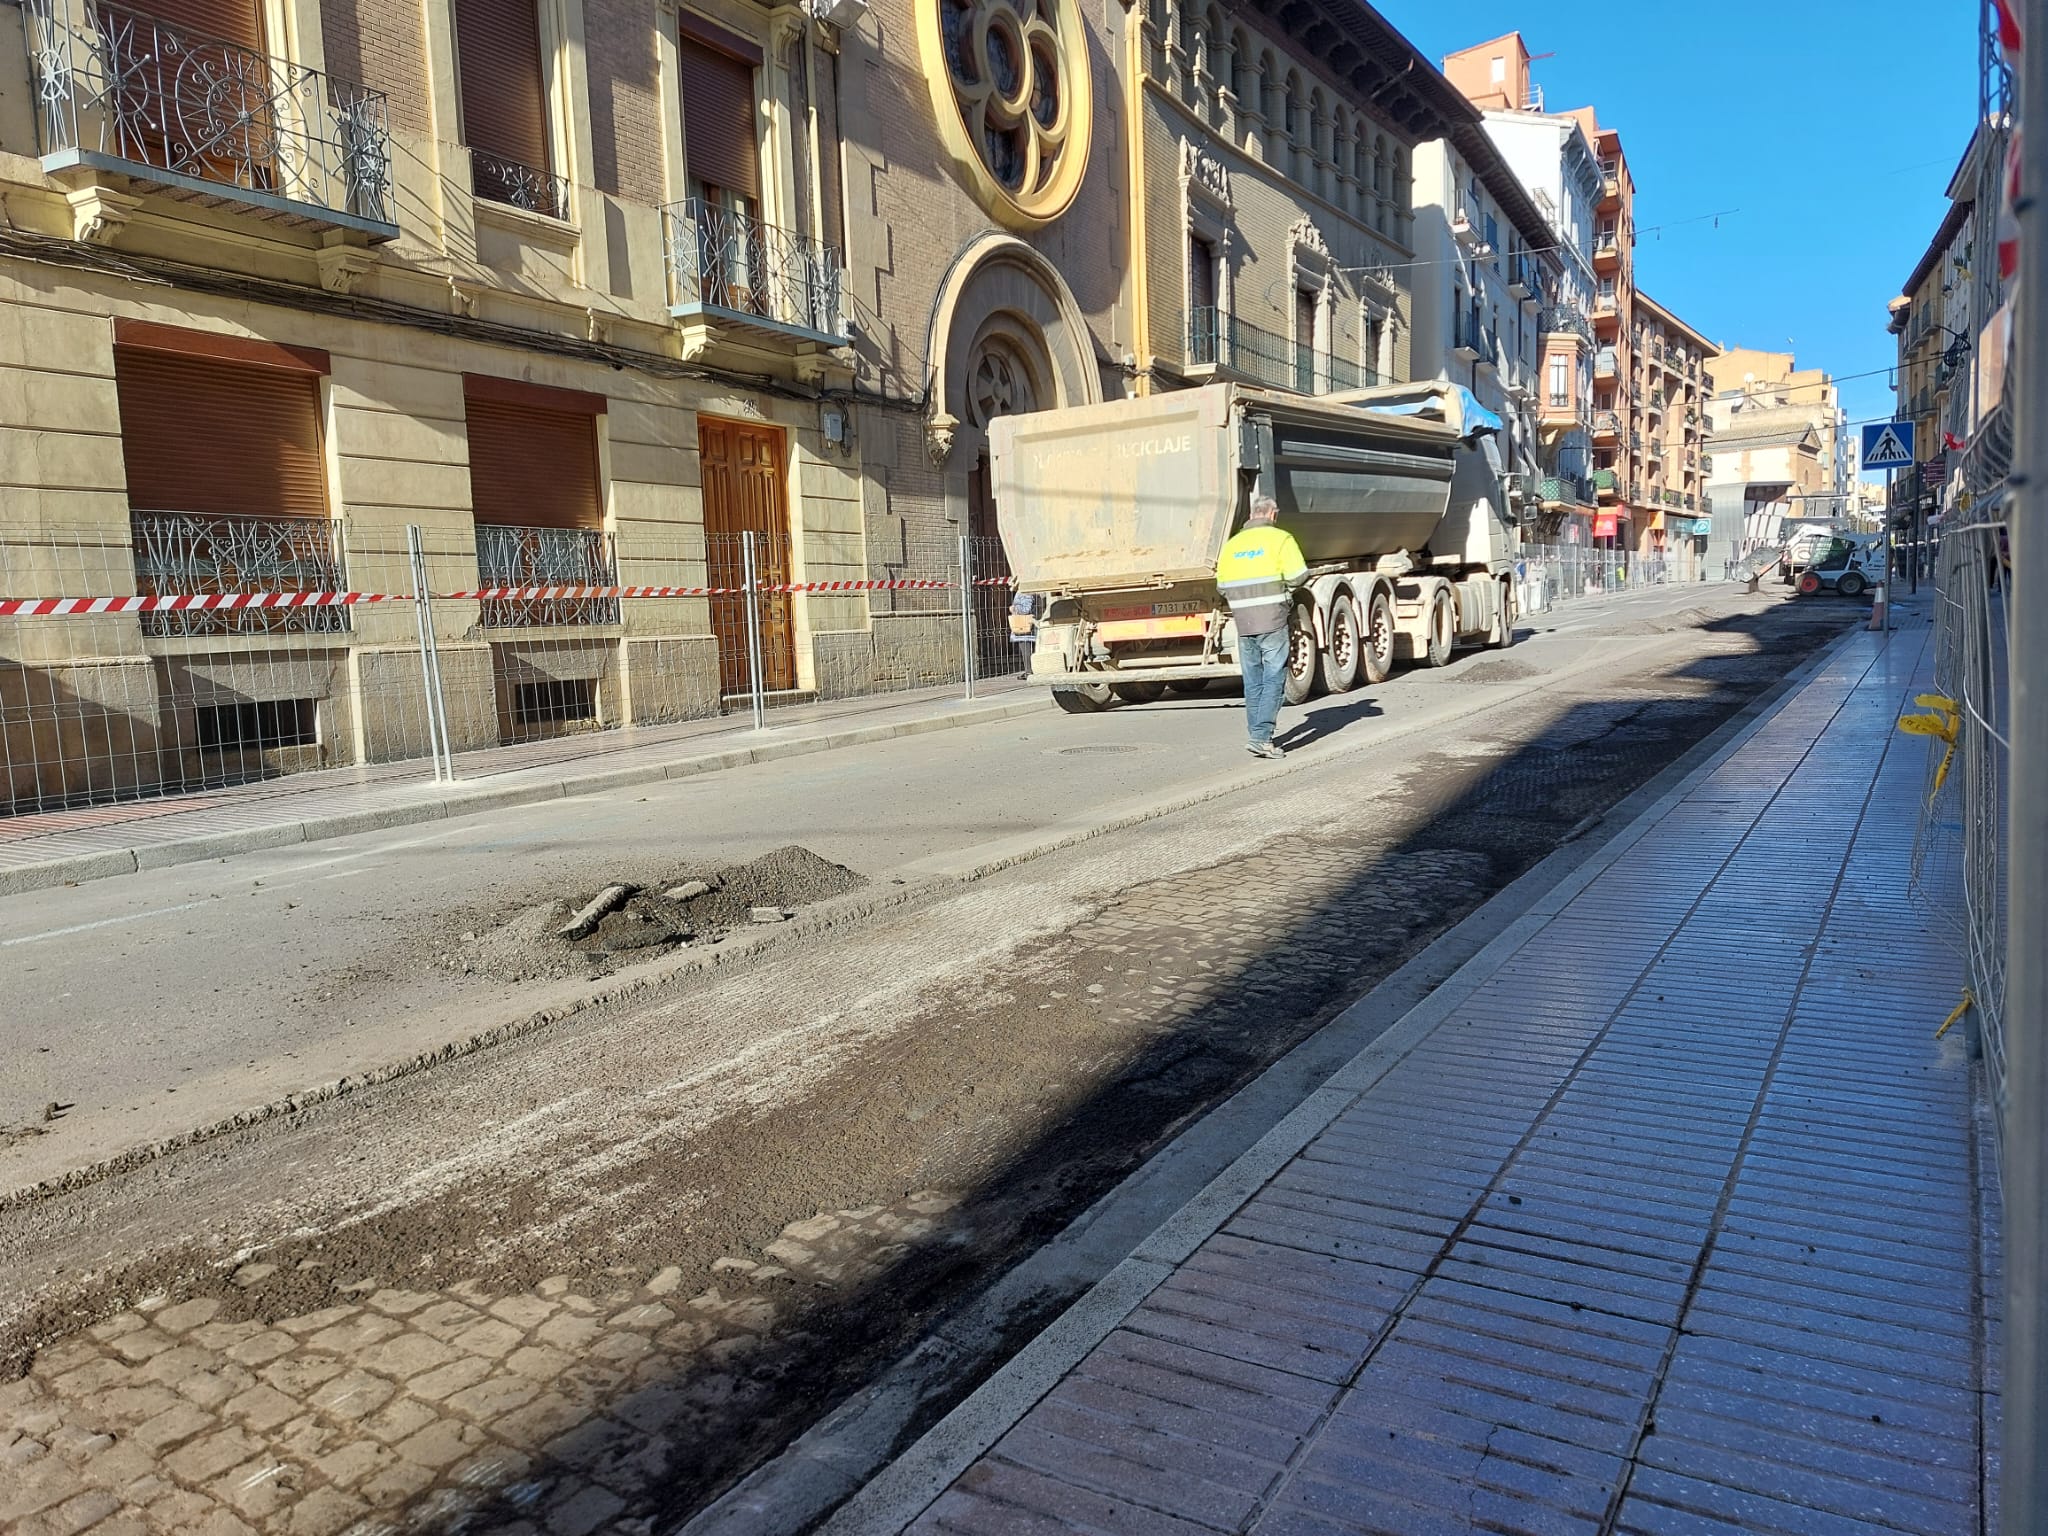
[746, 490]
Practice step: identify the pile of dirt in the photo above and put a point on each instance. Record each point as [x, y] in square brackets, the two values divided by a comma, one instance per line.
[595, 931]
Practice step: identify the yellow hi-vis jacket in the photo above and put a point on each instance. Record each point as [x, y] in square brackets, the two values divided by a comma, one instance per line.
[1259, 567]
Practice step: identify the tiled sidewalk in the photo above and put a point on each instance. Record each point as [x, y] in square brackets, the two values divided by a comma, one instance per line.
[1670, 1225]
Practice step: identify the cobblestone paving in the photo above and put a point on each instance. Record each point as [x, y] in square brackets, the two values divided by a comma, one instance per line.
[547, 1410]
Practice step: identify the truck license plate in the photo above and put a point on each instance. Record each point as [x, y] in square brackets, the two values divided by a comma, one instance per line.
[1149, 611]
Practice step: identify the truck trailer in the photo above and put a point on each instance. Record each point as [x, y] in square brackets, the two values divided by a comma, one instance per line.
[1116, 514]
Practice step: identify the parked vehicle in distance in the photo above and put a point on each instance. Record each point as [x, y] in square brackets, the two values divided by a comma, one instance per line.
[1850, 564]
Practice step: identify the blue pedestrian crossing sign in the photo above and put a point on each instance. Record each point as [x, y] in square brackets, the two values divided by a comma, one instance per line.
[1888, 445]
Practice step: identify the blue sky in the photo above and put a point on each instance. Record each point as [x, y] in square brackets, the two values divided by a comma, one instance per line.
[1831, 126]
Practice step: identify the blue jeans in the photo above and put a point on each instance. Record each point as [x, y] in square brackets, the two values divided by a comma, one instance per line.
[1263, 659]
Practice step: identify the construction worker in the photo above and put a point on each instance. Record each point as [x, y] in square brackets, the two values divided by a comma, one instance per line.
[1257, 573]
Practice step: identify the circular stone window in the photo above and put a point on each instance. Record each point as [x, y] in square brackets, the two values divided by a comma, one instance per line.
[1009, 82]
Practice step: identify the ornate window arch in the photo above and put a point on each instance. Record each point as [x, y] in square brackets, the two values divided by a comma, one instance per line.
[1011, 86]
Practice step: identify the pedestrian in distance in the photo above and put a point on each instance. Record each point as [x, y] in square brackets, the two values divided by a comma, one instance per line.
[1024, 629]
[1258, 572]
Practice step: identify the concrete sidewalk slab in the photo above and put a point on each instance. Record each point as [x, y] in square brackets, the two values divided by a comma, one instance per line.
[1626, 1236]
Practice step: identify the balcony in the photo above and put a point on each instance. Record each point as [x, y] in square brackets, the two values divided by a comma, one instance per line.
[184, 553]
[1610, 182]
[1251, 352]
[1605, 364]
[1563, 320]
[730, 271]
[1606, 250]
[1605, 485]
[1474, 341]
[1467, 231]
[1606, 426]
[499, 180]
[120, 92]
[508, 556]
[1565, 491]
[1607, 306]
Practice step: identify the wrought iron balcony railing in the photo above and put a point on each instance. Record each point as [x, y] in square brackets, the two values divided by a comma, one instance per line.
[726, 263]
[1566, 490]
[118, 90]
[509, 556]
[499, 180]
[1563, 319]
[1267, 357]
[183, 553]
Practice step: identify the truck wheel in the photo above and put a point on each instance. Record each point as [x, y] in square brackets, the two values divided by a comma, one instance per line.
[1199, 689]
[1139, 693]
[1082, 701]
[1339, 661]
[1504, 635]
[1851, 585]
[1443, 629]
[1376, 654]
[1809, 583]
[1303, 663]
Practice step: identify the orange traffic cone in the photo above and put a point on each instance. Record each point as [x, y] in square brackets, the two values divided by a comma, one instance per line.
[1877, 617]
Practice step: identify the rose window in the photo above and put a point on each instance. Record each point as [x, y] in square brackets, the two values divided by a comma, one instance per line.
[1016, 75]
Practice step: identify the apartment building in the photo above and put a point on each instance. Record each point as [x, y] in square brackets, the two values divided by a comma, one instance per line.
[1479, 228]
[1549, 153]
[1672, 385]
[1779, 436]
[1932, 320]
[1275, 162]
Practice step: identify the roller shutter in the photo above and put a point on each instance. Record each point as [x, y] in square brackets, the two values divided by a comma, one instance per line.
[231, 21]
[721, 140]
[206, 436]
[504, 93]
[532, 467]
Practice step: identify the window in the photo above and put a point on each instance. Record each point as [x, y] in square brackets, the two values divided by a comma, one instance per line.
[209, 436]
[1305, 340]
[1499, 66]
[1560, 381]
[504, 104]
[1375, 343]
[721, 143]
[532, 455]
[257, 726]
[1205, 317]
[566, 701]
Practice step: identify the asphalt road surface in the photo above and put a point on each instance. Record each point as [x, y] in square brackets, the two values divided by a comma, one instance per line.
[584, 1278]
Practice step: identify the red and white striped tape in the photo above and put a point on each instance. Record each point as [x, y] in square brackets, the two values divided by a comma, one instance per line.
[44, 607]
[38, 607]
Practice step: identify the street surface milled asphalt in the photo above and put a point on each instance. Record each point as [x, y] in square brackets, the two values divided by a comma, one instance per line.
[611, 1264]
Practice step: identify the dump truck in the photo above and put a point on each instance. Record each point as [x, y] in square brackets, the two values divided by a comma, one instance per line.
[1115, 515]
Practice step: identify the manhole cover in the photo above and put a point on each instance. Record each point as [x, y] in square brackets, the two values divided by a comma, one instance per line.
[1102, 751]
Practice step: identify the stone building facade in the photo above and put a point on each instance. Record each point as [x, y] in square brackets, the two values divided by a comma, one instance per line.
[597, 295]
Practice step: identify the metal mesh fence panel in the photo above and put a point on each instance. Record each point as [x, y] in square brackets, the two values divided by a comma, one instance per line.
[1001, 634]
[104, 699]
[1959, 866]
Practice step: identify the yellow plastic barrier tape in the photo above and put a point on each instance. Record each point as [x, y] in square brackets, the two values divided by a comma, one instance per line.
[1946, 723]
[1969, 1001]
